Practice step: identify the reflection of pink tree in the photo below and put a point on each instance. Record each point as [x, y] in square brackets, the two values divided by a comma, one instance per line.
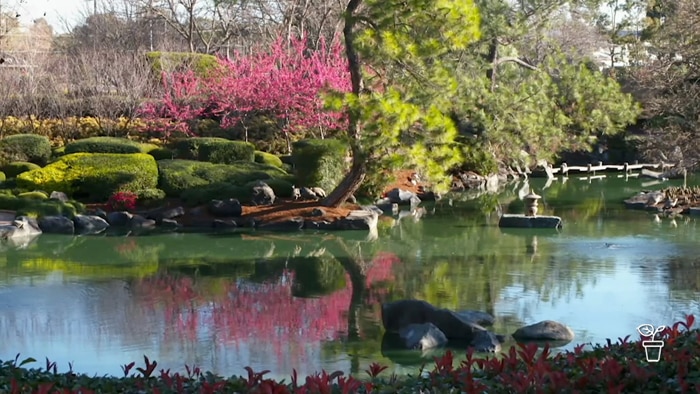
[245, 312]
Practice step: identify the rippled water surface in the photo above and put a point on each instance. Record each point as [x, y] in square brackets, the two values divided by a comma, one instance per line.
[311, 301]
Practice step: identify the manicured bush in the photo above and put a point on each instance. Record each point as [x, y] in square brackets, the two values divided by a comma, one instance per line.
[25, 147]
[108, 145]
[202, 64]
[178, 176]
[268, 158]
[216, 191]
[34, 207]
[150, 195]
[13, 169]
[2, 176]
[94, 175]
[213, 150]
[320, 162]
[162, 154]
[35, 195]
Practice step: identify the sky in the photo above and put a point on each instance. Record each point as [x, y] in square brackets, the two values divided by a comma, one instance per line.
[59, 13]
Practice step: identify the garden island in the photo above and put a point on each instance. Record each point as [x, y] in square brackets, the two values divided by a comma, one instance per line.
[350, 196]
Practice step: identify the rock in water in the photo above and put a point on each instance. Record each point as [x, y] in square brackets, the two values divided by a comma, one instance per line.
[320, 193]
[422, 336]
[545, 330]
[307, 194]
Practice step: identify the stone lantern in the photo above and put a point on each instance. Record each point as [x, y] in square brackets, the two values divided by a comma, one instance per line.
[531, 200]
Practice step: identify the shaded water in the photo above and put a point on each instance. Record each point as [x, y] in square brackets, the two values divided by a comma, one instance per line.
[311, 301]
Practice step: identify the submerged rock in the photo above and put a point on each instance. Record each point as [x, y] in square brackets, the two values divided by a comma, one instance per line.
[545, 330]
[422, 336]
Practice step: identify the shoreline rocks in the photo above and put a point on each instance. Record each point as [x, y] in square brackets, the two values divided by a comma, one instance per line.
[670, 201]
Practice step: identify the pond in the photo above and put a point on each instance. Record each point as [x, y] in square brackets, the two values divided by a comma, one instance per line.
[312, 301]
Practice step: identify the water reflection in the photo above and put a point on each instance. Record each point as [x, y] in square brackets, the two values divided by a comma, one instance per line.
[311, 301]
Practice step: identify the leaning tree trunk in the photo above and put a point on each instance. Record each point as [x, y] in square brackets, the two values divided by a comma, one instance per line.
[358, 171]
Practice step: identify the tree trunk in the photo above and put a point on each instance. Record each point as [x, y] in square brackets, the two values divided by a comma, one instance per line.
[358, 171]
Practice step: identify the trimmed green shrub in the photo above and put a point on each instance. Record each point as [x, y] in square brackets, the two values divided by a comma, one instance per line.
[216, 191]
[25, 147]
[108, 145]
[196, 177]
[150, 195]
[58, 152]
[13, 169]
[2, 176]
[268, 158]
[36, 195]
[37, 207]
[213, 150]
[162, 154]
[95, 176]
[320, 162]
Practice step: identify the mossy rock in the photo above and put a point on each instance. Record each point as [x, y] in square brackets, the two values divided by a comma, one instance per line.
[213, 150]
[94, 176]
[31, 148]
[13, 169]
[179, 176]
[268, 158]
[35, 208]
[320, 162]
[35, 195]
[108, 145]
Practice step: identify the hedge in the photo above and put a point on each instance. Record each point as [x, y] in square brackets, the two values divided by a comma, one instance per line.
[320, 162]
[95, 176]
[2, 176]
[37, 207]
[197, 180]
[202, 64]
[108, 145]
[13, 169]
[213, 150]
[268, 158]
[25, 147]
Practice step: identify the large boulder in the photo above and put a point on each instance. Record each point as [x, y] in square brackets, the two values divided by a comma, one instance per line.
[21, 227]
[400, 196]
[89, 224]
[56, 224]
[226, 208]
[546, 330]
[422, 336]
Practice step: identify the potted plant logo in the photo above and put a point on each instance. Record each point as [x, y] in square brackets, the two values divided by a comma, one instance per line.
[652, 347]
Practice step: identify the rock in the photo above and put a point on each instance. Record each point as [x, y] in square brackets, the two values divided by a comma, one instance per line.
[60, 196]
[522, 221]
[400, 196]
[96, 212]
[224, 224]
[263, 194]
[283, 225]
[296, 193]
[399, 314]
[318, 212]
[119, 218]
[545, 330]
[373, 208]
[471, 180]
[165, 213]
[694, 211]
[429, 196]
[351, 199]
[140, 222]
[170, 223]
[319, 225]
[228, 208]
[89, 224]
[320, 193]
[478, 317]
[644, 200]
[422, 336]
[307, 194]
[56, 225]
[359, 220]
[389, 209]
[21, 227]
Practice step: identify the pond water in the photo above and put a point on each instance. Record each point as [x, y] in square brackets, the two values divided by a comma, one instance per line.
[311, 301]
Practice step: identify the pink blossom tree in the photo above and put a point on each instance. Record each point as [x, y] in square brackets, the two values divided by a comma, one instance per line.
[287, 82]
